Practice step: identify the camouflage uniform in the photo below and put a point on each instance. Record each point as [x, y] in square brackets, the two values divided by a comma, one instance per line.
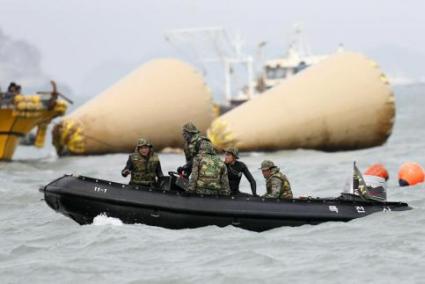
[191, 148]
[209, 174]
[144, 170]
[277, 184]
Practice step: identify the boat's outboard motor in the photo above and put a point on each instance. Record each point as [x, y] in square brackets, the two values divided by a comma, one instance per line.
[376, 187]
[370, 188]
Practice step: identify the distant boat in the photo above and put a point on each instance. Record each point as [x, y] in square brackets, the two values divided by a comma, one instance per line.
[274, 71]
[212, 45]
[279, 69]
[19, 114]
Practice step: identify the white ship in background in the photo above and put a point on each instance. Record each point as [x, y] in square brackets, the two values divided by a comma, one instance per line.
[215, 45]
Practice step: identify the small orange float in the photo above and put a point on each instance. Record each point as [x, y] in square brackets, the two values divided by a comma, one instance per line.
[410, 173]
[378, 170]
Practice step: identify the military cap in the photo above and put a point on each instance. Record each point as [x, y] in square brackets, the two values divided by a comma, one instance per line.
[143, 142]
[232, 150]
[190, 127]
[267, 164]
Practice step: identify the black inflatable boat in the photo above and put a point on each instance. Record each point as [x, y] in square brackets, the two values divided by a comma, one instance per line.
[82, 199]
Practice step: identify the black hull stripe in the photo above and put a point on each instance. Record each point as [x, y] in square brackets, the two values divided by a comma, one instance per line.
[11, 133]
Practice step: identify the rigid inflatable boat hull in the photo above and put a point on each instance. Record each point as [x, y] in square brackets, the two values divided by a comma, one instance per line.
[82, 199]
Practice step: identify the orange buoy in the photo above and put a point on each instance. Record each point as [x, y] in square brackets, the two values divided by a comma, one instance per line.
[377, 170]
[410, 173]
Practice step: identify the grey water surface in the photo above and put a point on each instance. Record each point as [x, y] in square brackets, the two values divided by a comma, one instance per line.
[38, 245]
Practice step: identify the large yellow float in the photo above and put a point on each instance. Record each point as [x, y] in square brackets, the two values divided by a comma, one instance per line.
[153, 102]
[342, 103]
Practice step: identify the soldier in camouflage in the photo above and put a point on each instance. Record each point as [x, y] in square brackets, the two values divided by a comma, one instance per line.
[193, 139]
[209, 174]
[143, 165]
[276, 183]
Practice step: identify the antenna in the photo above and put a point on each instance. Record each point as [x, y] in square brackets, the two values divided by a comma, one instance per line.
[298, 44]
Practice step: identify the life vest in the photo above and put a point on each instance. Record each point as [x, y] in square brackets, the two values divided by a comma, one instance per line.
[144, 169]
[285, 188]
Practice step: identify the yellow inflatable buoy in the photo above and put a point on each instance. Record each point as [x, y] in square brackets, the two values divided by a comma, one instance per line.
[153, 102]
[341, 103]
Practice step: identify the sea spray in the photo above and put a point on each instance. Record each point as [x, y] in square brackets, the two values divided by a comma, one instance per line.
[103, 220]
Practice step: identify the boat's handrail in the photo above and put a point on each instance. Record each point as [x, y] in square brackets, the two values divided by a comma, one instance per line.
[336, 200]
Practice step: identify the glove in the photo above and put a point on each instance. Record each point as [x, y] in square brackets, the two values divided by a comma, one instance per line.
[125, 172]
[180, 170]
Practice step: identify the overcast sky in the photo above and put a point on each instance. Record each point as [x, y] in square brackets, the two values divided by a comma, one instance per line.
[90, 44]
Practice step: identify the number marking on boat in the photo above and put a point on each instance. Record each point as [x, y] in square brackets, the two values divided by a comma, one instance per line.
[360, 209]
[99, 189]
[333, 208]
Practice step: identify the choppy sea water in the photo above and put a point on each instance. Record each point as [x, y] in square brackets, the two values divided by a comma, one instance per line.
[40, 246]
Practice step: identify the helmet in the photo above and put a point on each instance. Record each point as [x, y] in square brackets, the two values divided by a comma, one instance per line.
[143, 142]
[267, 164]
[191, 128]
[232, 150]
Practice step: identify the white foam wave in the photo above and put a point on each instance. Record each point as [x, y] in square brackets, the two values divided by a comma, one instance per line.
[102, 220]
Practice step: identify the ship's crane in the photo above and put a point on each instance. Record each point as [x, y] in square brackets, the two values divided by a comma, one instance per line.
[215, 45]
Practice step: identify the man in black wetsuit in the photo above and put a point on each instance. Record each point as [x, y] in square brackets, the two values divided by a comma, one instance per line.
[235, 169]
